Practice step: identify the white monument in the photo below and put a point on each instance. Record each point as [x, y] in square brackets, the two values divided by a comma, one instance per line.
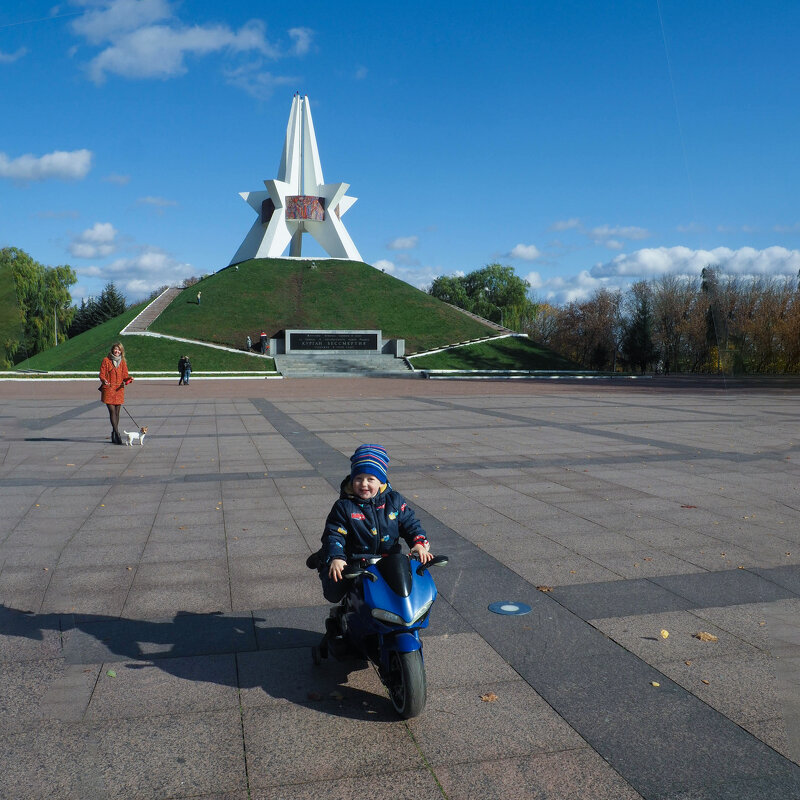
[299, 201]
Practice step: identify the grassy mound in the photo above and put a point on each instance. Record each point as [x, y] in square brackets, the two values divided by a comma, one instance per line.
[143, 353]
[508, 353]
[276, 294]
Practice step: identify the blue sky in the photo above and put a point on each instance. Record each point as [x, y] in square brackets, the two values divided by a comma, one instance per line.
[586, 144]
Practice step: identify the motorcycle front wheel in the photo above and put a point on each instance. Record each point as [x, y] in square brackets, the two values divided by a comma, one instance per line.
[406, 683]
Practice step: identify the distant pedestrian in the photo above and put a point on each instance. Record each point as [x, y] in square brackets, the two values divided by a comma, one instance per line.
[181, 369]
[198, 297]
[263, 338]
[187, 370]
[249, 345]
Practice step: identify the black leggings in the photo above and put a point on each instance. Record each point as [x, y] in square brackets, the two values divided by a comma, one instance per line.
[113, 413]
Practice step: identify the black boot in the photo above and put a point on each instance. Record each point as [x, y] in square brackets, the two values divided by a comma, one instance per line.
[116, 438]
[314, 561]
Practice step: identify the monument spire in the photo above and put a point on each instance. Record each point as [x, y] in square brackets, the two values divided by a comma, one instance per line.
[298, 201]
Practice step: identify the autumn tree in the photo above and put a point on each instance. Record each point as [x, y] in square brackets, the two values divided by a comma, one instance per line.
[637, 339]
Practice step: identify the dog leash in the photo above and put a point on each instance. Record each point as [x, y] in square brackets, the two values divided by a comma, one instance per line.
[131, 416]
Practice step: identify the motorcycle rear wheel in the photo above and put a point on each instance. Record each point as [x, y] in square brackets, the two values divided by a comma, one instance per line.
[406, 683]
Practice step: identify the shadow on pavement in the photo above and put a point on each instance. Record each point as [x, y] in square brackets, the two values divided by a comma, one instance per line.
[273, 658]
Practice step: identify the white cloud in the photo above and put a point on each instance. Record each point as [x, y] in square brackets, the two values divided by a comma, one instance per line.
[384, 265]
[525, 252]
[64, 165]
[257, 84]
[160, 202]
[566, 290]
[146, 271]
[787, 228]
[94, 242]
[108, 20]
[613, 244]
[159, 52]
[403, 243]
[302, 40]
[120, 180]
[566, 224]
[10, 58]
[656, 261]
[624, 232]
[692, 227]
[89, 272]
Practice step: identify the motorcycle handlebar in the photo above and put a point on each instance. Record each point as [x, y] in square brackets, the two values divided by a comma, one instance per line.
[436, 561]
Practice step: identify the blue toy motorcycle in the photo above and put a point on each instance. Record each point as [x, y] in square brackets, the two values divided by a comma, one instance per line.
[380, 618]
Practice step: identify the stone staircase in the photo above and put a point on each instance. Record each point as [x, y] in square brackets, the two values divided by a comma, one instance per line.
[150, 312]
[332, 365]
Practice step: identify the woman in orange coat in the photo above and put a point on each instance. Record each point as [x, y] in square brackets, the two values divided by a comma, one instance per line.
[113, 380]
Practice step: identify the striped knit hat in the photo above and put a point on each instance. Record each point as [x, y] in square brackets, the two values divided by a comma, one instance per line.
[370, 459]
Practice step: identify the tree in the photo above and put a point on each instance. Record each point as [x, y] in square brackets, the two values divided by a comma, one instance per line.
[110, 304]
[450, 289]
[44, 302]
[637, 341]
[94, 312]
[494, 292]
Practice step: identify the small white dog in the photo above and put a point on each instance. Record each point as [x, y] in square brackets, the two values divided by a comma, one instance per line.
[136, 436]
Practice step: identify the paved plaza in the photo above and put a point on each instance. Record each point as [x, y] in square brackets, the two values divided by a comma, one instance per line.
[156, 614]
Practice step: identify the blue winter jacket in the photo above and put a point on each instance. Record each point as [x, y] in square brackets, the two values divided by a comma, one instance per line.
[369, 526]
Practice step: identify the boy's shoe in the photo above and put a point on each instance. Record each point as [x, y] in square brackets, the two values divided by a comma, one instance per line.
[314, 561]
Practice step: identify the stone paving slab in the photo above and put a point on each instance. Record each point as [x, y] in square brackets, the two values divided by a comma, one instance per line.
[178, 567]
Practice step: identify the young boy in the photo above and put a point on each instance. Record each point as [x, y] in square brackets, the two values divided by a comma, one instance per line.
[368, 517]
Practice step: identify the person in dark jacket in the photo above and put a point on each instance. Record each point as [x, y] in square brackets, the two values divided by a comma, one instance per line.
[181, 369]
[368, 517]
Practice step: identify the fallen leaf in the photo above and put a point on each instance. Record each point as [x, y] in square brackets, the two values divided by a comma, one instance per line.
[688, 663]
[489, 697]
[47, 569]
[704, 681]
[129, 568]
[705, 637]
[572, 571]
[664, 634]
[647, 558]
[655, 683]
[545, 588]
[688, 506]
[762, 623]
[111, 673]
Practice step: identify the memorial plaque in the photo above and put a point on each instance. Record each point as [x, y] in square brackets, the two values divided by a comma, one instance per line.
[324, 340]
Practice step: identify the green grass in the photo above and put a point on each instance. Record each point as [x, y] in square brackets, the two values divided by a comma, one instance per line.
[85, 352]
[10, 315]
[507, 353]
[277, 294]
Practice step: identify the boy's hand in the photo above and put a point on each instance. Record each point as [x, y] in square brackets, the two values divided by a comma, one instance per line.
[336, 568]
[423, 554]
